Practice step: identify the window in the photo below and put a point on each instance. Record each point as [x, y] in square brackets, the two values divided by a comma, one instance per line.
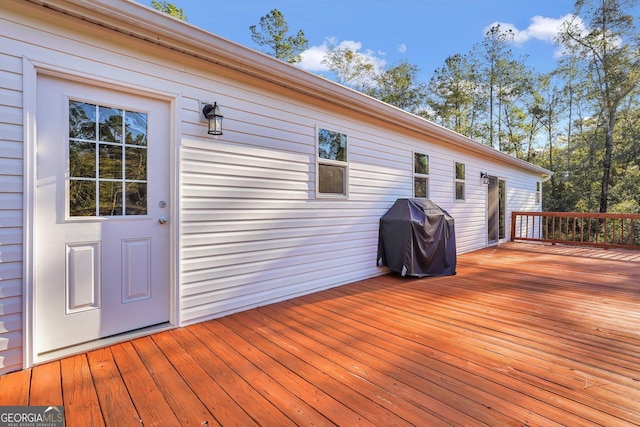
[107, 161]
[332, 163]
[538, 193]
[420, 175]
[460, 183]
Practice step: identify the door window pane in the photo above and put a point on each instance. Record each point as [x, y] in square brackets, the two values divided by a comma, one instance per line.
[136, 161]
[110, 127]
[136, 198]
[110, 198]
[102, 162]
[82, 159]
[136, 128]
[82, 120]
[110, 161]
[82, 198]
[502, 207]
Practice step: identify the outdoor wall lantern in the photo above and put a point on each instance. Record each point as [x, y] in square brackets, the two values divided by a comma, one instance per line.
[485, 177]
[212, 113]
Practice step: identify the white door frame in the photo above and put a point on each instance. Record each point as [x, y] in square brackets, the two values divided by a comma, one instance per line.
[31, 70]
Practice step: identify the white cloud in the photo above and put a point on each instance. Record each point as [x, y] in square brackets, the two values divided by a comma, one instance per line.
[402, 48]
[541, 28]
[312, 57]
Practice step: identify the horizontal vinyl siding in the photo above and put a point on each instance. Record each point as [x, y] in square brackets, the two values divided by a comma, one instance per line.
[252, 231]
[11, 212]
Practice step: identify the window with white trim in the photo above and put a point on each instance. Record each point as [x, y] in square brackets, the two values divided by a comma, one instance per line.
[460, 181]
[538, 193]
[333, 168]
[107, 161]
[420, 175]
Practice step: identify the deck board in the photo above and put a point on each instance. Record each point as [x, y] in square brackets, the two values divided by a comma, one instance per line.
[524, 334]
[46, 385]
[115, 402]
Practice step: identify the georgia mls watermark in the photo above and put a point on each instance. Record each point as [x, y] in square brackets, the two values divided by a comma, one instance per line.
[31, 416]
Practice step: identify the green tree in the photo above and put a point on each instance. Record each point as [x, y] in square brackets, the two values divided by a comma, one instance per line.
[273, 35]
[609, 51]
[548, 111]
[169, 9]
[350, 67]
[495, 55]
[399, 86]
[452, 92]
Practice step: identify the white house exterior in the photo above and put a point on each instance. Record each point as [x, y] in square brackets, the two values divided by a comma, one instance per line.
[253, 216]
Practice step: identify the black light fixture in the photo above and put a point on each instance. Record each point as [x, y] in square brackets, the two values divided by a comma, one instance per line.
[485, 177]
[212, 113]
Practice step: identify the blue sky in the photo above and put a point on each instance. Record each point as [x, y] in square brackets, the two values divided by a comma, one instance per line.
[422, 32]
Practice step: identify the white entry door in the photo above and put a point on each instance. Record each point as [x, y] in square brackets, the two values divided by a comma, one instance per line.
[101, 213]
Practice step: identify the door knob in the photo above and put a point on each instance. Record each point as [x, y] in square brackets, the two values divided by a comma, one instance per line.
[163, 220]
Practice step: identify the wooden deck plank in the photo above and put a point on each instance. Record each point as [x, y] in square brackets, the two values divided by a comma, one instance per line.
[81, 405]
[46, 385]
[299, 376]
[116, 404]
[425, 363]
[483, 350]
[183, 401]
[523, 335]
[281, 387]
[451, 352]
[411, 382]
[148, 399]
[218, 402]
[350, 386]
[489, 344]
[14, 388]
[574, 342]
[417, 403]
[223, 366]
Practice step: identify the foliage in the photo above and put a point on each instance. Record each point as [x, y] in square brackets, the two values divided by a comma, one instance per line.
[609, 53]
[581, 121]
[170, 9]
[350, 67]
[452, 93]
[399, 86]
[273, 34]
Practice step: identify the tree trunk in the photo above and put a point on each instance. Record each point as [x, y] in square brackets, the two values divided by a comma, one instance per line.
[606, 169]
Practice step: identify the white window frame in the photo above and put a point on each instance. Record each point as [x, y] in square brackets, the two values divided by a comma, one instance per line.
[330, 162]
[459, 181]
[420, 175]
[538, 193]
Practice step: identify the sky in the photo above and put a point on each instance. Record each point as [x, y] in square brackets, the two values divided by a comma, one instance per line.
[421, 32]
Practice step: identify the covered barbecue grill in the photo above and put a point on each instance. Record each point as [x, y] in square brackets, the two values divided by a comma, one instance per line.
[417, 238]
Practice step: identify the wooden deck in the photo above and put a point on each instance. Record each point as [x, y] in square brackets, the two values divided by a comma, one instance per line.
[524, 335]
